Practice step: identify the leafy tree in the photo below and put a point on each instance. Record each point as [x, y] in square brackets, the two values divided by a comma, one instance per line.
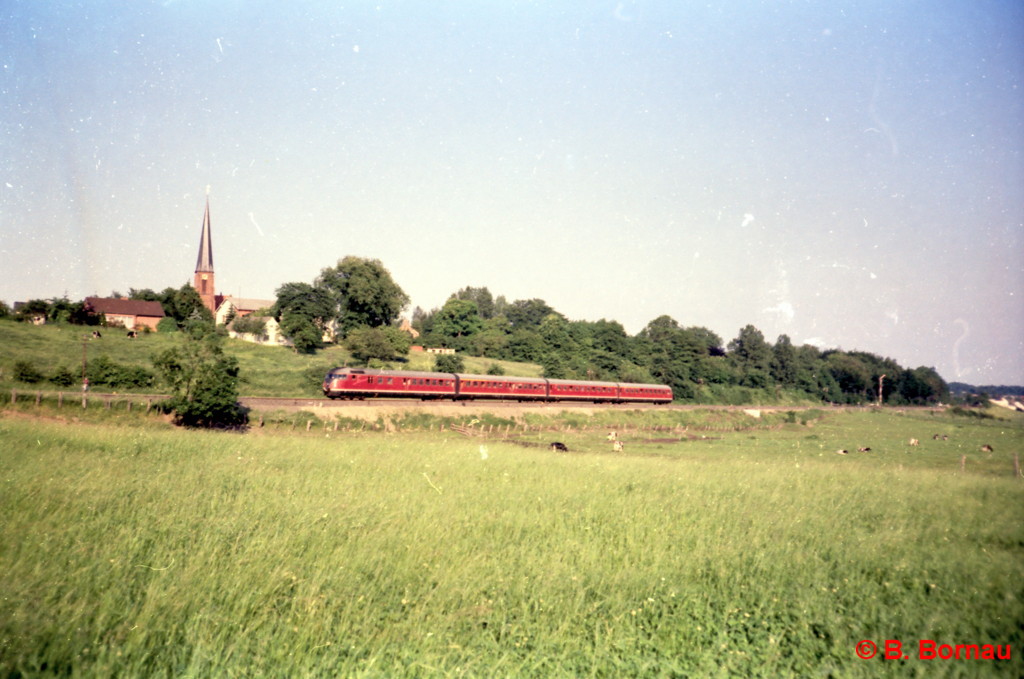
[303, 312]
[202, 378]
[167, 324]
[752, 355]
[457, 319]
[188, 306]
[5, 311]
[362, 293]
[495, 369]
[528, 313]
[783, 363]
[483, 299]
[851, 375]
[449, 363]
[384, 343]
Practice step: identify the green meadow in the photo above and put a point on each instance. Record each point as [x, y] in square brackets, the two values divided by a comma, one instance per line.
[712, 545]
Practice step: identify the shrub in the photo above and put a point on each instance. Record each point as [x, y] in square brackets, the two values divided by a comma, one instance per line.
[62, 377]
[167, 324]
[26, 372]
[449, 363]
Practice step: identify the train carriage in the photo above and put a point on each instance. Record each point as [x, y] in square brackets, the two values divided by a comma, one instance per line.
[644, 393]
[574, 390]
[493, 386]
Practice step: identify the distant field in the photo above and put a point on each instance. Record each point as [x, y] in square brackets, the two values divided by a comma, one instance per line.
[266, 371]
[706, 548]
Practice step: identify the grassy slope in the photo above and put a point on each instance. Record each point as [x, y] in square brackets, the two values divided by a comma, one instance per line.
[147, 552]
[266, 371]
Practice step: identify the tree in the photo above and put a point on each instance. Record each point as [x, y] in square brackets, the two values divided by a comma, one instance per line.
[752, 355]
[187, 306]
[383, 343]
[303, 311]
[457, 319]
[528, 313]
[362, 293]
[783, 364]
[202, 379]
[485, 303]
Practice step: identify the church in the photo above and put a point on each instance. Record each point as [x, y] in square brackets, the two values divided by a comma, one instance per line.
[226, 307]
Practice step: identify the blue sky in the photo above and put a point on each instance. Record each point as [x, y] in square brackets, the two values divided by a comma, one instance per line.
[847, 173]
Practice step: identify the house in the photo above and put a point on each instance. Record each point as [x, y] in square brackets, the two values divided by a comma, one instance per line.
[235, 307]
[130, 313]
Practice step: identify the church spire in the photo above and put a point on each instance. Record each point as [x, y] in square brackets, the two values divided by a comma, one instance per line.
[204, 263]
[203, 281]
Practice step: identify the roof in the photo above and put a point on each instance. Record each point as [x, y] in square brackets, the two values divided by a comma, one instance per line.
[249, 304]
[204, 262]
[125, 307]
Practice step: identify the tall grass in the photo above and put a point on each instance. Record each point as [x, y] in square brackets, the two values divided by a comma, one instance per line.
[145, 552]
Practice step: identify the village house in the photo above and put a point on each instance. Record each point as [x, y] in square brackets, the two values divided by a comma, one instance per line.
[133, 314]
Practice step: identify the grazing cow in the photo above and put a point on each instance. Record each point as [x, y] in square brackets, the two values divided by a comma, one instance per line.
[914, 442]
[865, 449]
[987, 448]
[132, 334]
[96, 334]
[559, 447]
[842, 451]
[612, 436]
[617, 447]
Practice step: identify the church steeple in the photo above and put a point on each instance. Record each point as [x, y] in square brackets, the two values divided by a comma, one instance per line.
[203, 281]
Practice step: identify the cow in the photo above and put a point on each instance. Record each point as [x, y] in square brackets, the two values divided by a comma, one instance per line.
[559, 447]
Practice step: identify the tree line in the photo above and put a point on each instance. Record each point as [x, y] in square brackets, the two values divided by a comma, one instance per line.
[357, 303]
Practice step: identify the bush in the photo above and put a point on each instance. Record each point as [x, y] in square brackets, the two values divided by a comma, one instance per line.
[26, 372]
[449, 363]
[62, 377]
[250, 325]
[104, 371]
[167, 324]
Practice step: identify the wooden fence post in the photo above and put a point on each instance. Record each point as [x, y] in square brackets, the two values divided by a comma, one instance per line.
[60, 399]
[39, 398]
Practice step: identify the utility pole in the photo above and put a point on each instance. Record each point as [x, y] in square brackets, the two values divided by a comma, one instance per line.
[880, 378]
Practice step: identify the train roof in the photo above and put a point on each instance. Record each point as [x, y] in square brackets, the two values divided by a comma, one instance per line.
[492, 378]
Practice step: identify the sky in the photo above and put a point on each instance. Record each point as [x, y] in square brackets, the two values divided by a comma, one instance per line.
[847, 173]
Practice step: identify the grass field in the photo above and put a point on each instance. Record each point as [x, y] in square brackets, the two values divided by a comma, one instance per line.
[147, 551]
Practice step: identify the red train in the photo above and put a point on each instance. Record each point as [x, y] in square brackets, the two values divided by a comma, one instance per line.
[360, 383]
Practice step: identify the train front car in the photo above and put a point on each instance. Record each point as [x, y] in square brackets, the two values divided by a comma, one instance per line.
[359, 383]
